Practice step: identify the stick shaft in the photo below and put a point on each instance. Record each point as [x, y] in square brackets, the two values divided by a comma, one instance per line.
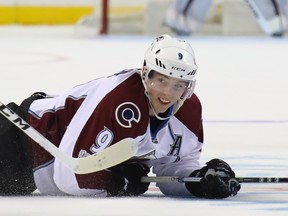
[173, 179]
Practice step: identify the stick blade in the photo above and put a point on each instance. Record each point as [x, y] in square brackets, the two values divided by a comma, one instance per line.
[111, 156]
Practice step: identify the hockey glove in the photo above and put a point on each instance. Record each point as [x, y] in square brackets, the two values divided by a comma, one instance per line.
[218, 181]
[127, 179]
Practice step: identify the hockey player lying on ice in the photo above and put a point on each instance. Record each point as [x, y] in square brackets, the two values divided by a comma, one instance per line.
[154, 105]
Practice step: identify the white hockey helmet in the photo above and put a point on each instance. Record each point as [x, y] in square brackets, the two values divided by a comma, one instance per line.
[171, 57]
[174, 58]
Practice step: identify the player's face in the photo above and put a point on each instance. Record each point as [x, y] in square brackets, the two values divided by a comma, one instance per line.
[164, 91]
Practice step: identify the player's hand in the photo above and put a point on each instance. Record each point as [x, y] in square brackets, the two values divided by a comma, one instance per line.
[218, 181]
[127, 179]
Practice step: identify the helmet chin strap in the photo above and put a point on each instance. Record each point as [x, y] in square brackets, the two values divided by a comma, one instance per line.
[155, 113]
[153, 110]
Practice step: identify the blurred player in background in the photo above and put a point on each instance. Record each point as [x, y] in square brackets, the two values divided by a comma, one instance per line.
[185, 17]
[272, 15]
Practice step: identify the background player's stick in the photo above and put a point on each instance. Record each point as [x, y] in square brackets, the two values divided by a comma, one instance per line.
[111, 156]
[172, 179]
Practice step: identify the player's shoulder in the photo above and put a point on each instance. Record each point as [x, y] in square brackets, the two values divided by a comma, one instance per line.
[193, 101]
[191, 108]
[128, 90]
[190, 114]
[129, 82]
[125, 73]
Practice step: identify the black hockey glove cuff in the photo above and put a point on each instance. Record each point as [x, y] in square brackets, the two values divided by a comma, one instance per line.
[218, 181]
[127, 179]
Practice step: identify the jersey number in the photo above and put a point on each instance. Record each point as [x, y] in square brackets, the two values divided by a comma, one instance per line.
[103, 139]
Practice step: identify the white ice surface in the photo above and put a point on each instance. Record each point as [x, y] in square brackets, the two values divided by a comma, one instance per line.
[242, 84]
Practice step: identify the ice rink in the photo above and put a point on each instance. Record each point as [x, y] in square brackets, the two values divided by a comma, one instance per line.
[243, 86]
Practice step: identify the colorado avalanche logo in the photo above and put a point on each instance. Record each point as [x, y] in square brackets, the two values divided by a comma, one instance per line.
[126, 113]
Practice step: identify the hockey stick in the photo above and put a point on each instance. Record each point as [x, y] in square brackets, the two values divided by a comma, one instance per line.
[173, 179]
[111, 156]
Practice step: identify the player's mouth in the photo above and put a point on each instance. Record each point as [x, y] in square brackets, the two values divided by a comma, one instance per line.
[164, 101]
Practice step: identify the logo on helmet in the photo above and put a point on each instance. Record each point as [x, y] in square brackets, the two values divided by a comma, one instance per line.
[178, 69]
[193, 72]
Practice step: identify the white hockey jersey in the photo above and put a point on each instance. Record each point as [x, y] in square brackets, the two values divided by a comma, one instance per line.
[92, 116]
